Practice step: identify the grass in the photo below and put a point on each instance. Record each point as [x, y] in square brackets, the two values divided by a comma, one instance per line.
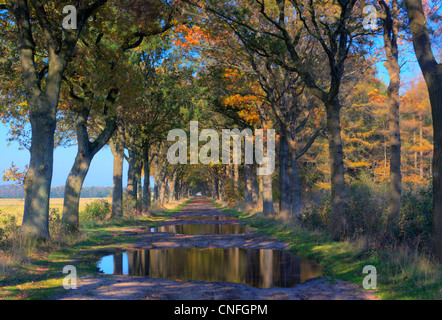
[16, 206]
[33, 271]
[403, 274]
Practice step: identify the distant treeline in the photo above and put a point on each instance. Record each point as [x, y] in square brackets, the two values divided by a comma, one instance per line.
[13, 191]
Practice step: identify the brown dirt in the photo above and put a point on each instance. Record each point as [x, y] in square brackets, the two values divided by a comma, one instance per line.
[112, 287]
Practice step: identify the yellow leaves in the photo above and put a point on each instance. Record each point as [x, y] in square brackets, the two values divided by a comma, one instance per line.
[362, 142]
[382, 172]
[323, 185]
[414, 179]
[422, 146]
[246, 106]
[13, 174]
[357, 164]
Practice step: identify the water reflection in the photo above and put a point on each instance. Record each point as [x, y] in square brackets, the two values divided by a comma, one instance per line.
[261, 268]
[204, 217]
[208, 228]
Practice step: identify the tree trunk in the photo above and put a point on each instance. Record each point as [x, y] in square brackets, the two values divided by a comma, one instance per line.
[236, 179]
[138, 186]
[72, 193]
[294, 177]
[255, 186]
[131, 181]
[221, 190]
[117, 148]
[267, 196]
[161, 192]
[248, 186]
[215, 189]
[42, 103]
[39, 176]
[395, 158]
[155, 188]
[146, 187]
[85, 154]
[432, 72]
[42, 115]
[338, 220]
[296, 186]
[284, 180]
[391, 30]
[162, 184]
[172, 186]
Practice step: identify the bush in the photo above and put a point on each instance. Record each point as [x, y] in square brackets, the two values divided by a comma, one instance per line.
[55, 225]
[96, 211]
[366, 208]
[318, 215]
[415, 226]
[8, 227]
[232, 195]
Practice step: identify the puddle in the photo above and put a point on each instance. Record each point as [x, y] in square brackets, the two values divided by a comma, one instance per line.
[260, 268]
[203, 228]
[204, 217]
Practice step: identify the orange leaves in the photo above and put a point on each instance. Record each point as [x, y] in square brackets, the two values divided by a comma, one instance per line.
[376, 97]
[246, 96]
[238, 100]
[318, 114]
[187, 38]
[414, 179]
[231, 74]
[416, 99]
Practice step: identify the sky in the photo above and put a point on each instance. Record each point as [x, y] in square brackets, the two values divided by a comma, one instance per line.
[100, 172]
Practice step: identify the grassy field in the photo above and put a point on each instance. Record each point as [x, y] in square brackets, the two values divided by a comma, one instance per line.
[15, 206]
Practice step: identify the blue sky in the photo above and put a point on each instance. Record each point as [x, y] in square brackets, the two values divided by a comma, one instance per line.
[100, 173]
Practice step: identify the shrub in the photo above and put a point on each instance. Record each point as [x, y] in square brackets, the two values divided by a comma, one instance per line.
[96, 211]
[232, 195]
[55, 225]
[318, 215]
[366, 208]
[8, 227]
[416, 224]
